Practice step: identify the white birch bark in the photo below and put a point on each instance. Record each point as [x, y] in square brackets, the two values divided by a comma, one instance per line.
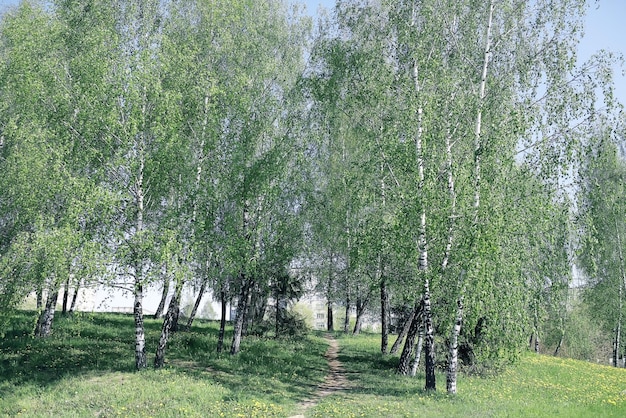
[140, 337]
[452, 193]
[429, 339]
[423, 249]
[478, 128]
[451, 375]
[44, 324]
[418, 350]
[622, 282]
[242, 307]
[453, 362]
[536, 329]
[247, 287]
[138, 191]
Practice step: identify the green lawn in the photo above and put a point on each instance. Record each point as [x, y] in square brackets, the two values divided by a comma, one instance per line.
[538, 386]
[86, 370]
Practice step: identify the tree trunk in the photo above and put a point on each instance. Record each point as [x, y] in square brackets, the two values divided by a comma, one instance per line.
[39, 293]
[164, 293]
[140, 333]
[75, 296]
[453, 197]
[560, 343]
[536, 341]
[616, 344]
[405, 357]
[220, 338]
[176, 316]
[329, 316]
[536, 330]
[478, 148]
[196, 305]
[423, 251]
[418, 350]
[281, 306]
[66, 295]
[140, 336]
[329, 304]
[346, 321]
[360, 309]
[44, 323]
[453, 349]
[453, 360]
[384, 316]
[242, 306]
[168, 322]
[618, 329]
[255, 312]
[429, 339]
[403, 333]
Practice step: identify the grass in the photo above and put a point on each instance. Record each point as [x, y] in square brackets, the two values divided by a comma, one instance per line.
[86, 370]
[538, 386]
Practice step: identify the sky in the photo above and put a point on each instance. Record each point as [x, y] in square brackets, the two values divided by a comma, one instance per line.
[605, 29]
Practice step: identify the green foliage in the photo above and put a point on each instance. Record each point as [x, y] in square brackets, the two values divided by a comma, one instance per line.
[602, 200]
[582, 338]
[51, 201]
[191, 139]
[399, 119]
[291, 324]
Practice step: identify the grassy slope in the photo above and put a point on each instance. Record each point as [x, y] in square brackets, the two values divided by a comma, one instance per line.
[86, 369]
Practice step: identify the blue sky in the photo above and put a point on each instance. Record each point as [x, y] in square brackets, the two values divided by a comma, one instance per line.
[605, 29]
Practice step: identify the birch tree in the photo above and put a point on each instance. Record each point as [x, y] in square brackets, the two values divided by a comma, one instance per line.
[259, 62]
[142, 126]
[603, 248]
[47, 185]
[496, 81]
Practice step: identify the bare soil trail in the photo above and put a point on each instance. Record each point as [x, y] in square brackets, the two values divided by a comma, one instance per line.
[334, 382]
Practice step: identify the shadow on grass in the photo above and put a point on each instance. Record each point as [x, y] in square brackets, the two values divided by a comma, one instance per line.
[84, 343]
[80, 343]
[373, 373]
[276, 369]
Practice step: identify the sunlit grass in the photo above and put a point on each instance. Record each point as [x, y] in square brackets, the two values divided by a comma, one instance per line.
[538, 386]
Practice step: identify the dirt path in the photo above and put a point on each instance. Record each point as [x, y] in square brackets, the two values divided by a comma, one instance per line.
[334, 382]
